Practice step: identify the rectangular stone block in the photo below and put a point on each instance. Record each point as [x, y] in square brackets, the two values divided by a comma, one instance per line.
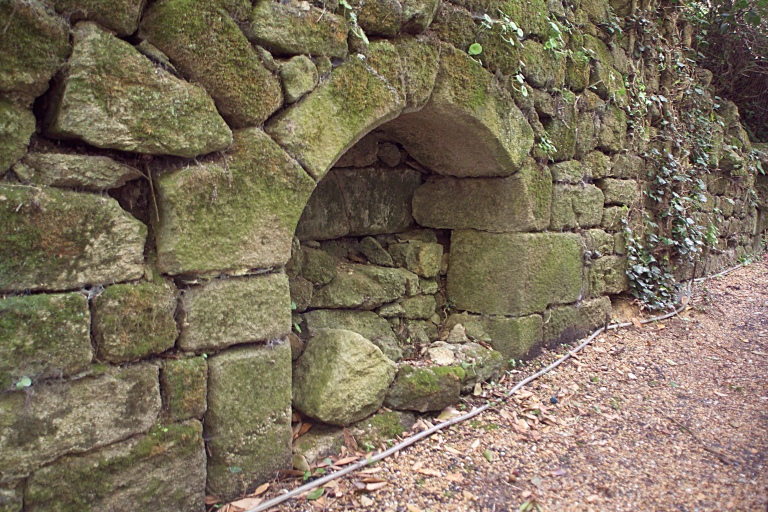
[608, 275]
[43, 336]
[566, 324]
[575, 206]
[75, 417]
[520, 202]
[163, 470]
[515, 338]
[619, 192]
[184, 387]
[226, 312]
[249, 418]
[514, 274]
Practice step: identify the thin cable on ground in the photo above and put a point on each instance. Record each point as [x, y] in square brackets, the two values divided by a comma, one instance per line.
[426, 433]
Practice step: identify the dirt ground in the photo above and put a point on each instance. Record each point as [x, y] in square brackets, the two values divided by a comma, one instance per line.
[668, 416]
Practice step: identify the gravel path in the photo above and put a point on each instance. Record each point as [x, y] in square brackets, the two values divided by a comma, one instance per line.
[668, 416]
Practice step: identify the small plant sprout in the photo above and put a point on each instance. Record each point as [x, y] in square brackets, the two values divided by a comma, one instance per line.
[475, 49]
[24, 383]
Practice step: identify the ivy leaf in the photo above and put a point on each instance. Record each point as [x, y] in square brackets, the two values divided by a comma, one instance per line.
[315, 494]
[475, 49]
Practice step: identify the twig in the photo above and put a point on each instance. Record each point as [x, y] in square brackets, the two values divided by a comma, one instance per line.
[721, 456]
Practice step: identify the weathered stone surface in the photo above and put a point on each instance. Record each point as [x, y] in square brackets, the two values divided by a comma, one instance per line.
[613, 218]
[341, 377]
[627, 165]
[356, 98]
[249, 418]
[543, 69]
[317, 266]
[480, 364]
[382, 427]
[325, 215]
[17, 124]
[530, 271]
[612, 135]
[520, 202]
[301, 293]
[362, 154]
[567, 324]
[35, 44]
[514, 338]
[418, 14]
[285, 29]
[376, 254]
[608, 275]
[114, 97]
[184, 388]
[207, 46]
[620, 192]
[379, 17]
[469, 127]
[575, 206]
[227, 312]
[163, 470]
[321, 441]
[378, 200]
[421, 258]
[59, 240]
[419, 307]
[299, 76]
[598, 164]
[420, 57]
[12, 496]
[134, 321]
[608, 83]
[570, 171]
[598, 242]
[234, 216]
[366, 323]
[585, 128]
[75, 417]
[43, 336]
[92, 173]
[389, 154]
[425, 389]
[363, 286]
[121, 16]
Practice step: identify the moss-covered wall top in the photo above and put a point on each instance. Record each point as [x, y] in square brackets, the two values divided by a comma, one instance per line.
[200, 198]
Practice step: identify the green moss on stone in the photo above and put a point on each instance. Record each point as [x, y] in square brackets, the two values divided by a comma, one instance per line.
[184, 387]
[57, 240]
[43, 336]
[379, 428]
[207, 46]
[17, 124]
[232, 216]
[133, 321]
[122, 16]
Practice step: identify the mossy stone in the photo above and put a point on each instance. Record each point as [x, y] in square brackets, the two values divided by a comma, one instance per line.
[299, 76]
[366, 323]
[92, 173]
[480, 364]
[498, 55]
[17, 124]
[363, 286]
[419, 307]
[470, 127]
[301, 293]
[530, 15]
[585, 128]
[576, 206]
[43, 336]
[596, 10]
[543, 69]
[418, 14]
[598, 242]
[421, 258]
[356, 98]
[227, 312]
[598, 163]
[231, 216]
[382, 427]
[248, 420]
[131, 322]
[562, 129]
[379, 17]
[627, 166]
[608, 83]
[425, 389]
[111, 96]
[608, 275]
[121, 16]
[531, 271]
[455, 25]
[162, 470]
[614, 217]
[619, 192]
[12, 496]
[376, 254]
[53, 239]
[325, 214]
[184, 387]
[318, 266]
[288, 30]
[319, 442]
[570, 171]
[514, 338]
[520, 202]
[207, 46]
[35, 44]
[75, 417]
[341, 377]
[566, 324]
[612, 135]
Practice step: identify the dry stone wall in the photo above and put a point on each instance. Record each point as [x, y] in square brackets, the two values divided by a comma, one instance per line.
[211, 211]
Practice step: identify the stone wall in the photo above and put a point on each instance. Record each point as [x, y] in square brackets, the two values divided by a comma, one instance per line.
[184, 184]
